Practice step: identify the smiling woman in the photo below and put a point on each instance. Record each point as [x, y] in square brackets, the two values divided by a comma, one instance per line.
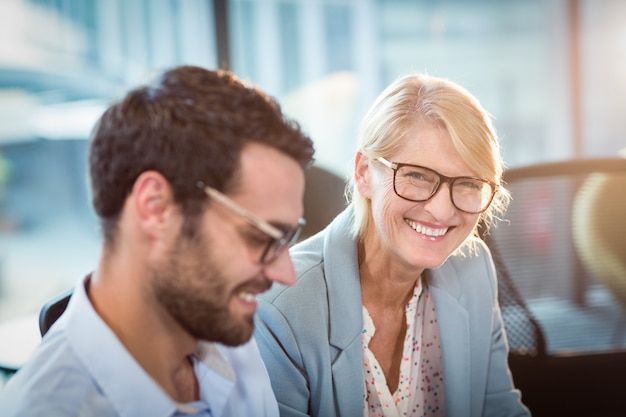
[405, 308]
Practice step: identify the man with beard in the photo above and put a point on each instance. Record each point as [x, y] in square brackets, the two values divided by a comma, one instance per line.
[198, 183]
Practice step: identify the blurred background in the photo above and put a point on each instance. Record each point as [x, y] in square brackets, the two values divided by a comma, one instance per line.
[552, 72]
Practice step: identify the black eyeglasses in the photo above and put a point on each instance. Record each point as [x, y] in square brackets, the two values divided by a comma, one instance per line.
[418, 183]
[279, 239]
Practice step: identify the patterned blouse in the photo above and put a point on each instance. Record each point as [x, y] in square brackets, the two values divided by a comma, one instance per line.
[420, 389]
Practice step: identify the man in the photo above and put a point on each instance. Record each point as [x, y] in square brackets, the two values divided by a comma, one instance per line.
[198, 182]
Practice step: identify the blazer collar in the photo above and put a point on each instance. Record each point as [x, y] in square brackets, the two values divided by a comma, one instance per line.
[454, 329]
[341, 269]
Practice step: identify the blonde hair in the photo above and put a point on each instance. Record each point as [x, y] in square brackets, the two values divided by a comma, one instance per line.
[420, 99]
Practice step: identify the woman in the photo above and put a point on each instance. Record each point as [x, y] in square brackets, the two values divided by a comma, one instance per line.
[395, 310]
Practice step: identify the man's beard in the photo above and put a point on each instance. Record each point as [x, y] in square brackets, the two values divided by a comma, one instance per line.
[193, 290]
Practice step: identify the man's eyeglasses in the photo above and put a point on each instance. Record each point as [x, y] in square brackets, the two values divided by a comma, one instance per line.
[418, 183]
[279, 239]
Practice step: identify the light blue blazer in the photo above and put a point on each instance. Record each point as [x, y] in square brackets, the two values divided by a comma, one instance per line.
[309, 334]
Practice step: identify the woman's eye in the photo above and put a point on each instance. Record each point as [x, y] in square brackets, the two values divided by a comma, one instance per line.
[415, 175]
[419, 177]
[470, 185]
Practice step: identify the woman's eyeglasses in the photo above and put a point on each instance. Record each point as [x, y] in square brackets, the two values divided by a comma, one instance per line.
[417, 183]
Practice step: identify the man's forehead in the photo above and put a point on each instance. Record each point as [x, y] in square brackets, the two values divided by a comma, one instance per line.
[271, 183]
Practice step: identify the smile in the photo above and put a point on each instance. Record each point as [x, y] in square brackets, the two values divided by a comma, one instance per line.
[247, 297]
[428, 231]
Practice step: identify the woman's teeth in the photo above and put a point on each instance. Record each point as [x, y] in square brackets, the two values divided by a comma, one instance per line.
[428, 231]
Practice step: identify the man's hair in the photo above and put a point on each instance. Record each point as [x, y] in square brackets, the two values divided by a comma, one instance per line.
[190, 125]
[419, 100]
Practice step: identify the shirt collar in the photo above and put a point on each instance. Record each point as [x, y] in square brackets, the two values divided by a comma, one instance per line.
[208, 354]
[123, 381]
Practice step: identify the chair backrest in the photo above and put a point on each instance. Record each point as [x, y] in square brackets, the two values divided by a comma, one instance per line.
[323, 199]
[524, 333]
[52, 310]
[562, 249]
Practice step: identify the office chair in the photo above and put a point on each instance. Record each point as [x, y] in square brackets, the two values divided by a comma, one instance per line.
[525, 335]
[561, 234]
[52, 310]
[323, 199]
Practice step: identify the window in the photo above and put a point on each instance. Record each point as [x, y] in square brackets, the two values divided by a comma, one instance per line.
[550, 72]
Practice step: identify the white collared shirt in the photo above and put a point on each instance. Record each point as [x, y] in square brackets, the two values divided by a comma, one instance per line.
[82, 369]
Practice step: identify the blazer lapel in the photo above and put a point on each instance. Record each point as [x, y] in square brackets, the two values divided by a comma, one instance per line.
[345, 314]
[454, 331]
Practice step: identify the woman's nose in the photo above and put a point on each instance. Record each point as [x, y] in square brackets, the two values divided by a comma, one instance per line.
[440, 205]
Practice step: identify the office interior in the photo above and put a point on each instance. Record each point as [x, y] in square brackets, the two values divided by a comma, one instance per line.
[551, 72]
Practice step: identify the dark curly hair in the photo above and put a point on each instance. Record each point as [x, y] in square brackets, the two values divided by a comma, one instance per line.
[190, 125]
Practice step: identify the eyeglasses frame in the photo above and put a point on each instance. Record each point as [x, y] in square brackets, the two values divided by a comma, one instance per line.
[395, 166]
[281, 239]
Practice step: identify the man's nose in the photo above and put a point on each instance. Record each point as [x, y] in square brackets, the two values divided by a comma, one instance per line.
[281, 270]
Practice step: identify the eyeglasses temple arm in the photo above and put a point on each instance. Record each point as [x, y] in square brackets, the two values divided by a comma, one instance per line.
[261, 224]
[388, 164]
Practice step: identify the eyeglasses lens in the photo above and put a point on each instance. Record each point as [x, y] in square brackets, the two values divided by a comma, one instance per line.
[277, 246]
[420, 184]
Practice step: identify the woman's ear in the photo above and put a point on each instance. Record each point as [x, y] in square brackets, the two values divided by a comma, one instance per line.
[152, 201]
[362, 174]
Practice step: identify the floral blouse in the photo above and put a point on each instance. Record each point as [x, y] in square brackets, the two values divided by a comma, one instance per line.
[420, 389]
